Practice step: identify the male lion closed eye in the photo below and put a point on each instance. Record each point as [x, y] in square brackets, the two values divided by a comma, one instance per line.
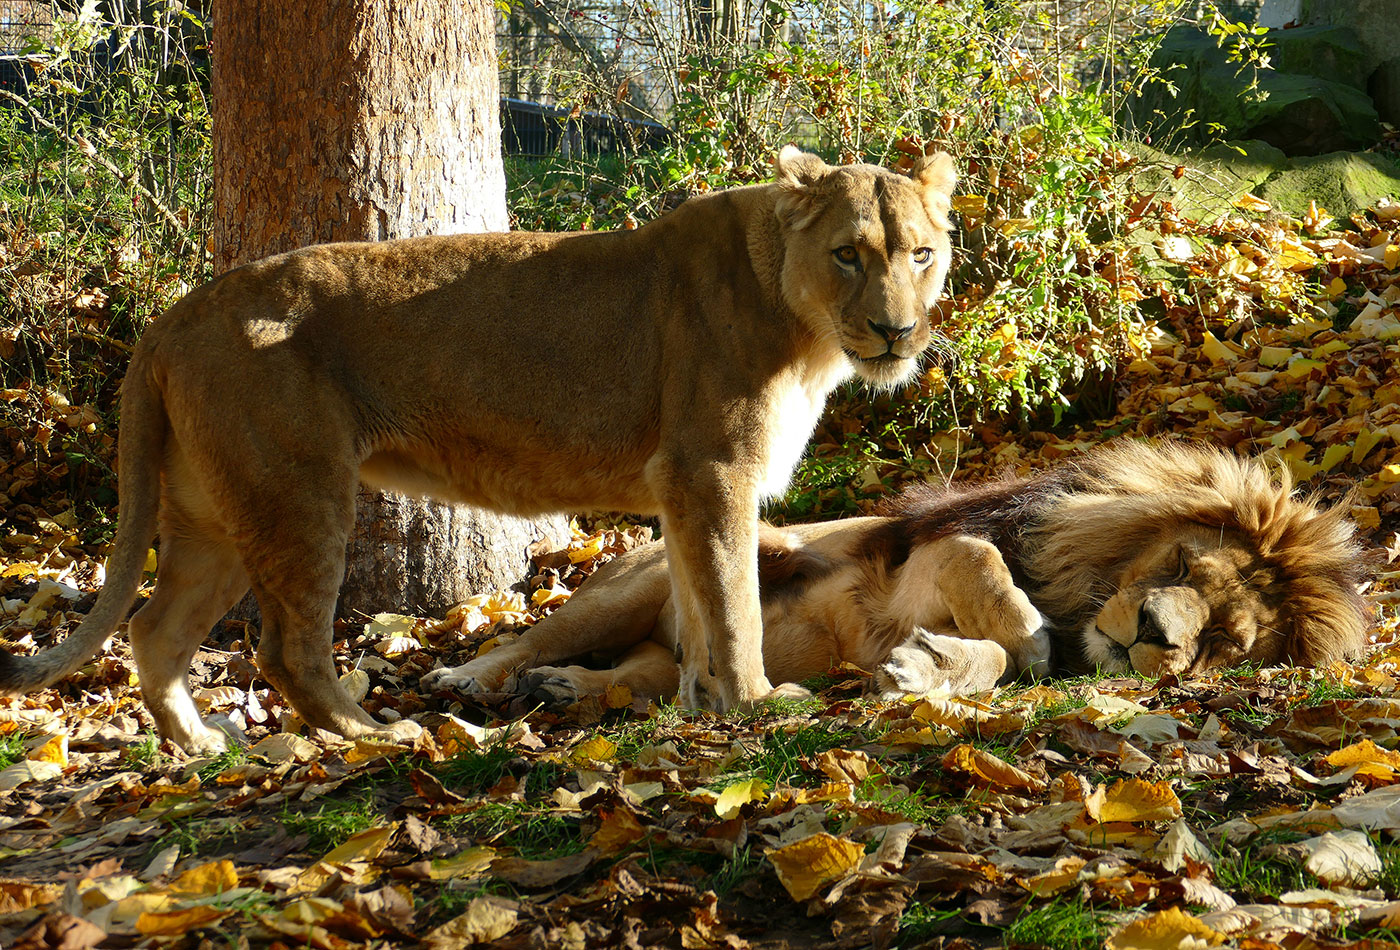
[1166, 559]
[676, 369]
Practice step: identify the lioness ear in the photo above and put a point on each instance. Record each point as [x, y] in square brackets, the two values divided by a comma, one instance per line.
[936, 175]
[795, 172]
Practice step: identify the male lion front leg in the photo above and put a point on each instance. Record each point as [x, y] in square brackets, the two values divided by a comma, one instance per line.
[963, 582]
[929, 662]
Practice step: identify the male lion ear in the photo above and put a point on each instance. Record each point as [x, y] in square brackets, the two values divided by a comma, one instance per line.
[936, 175]
[795, 172]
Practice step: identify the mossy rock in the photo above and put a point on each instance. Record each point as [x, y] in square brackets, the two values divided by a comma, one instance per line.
[1212, 178]
[1341, 182]
[1313, 101]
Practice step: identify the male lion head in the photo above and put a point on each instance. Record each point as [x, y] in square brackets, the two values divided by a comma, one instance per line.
[1177, 559]
[865, 254]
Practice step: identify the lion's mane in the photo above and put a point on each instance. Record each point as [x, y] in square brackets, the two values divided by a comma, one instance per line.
[1068, 534]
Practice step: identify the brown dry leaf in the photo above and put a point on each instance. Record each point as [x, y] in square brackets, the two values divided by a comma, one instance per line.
[1171, 929]
[620, 828]
[485, 919]
[61, 932]
[1134, 801]
[988, 770]
[532, 874]
[467, 862]
[20, 895]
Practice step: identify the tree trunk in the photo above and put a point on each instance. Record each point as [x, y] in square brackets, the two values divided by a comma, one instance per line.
[366, 120]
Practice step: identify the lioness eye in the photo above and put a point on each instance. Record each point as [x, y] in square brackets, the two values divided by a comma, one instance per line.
[922, 255]
[846, 254]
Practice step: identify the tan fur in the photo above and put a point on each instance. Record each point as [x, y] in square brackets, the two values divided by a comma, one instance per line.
[1159, 559]
[675, 369]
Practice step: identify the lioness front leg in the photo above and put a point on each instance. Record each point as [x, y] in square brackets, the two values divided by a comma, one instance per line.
[709, 523]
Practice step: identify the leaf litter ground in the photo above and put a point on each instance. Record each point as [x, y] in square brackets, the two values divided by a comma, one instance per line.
[1257, 808]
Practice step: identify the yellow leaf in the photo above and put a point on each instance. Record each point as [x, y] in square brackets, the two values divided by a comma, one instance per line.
[618, 696]
[594, 749]
[365, 846]
[1334, 455]
[1253, 203]
[1064, 874]
[1274, 355]
[150, 567]
[1389, 473]
[971, 205]
[1216, 351]
[619, 829]
[1370, 758]
[178, 922]
[356, 683]
[1171, 929]
[54, 749]
[588, 549]
[1367, 517]
[1302, 367]
[1366, 440]
[804, 866]
[1392, 256]
[207, 880]
[486, 919]
[549, 596]
[1336, 288]
[986, 769]
[1324, 350]
[738, 794]
[466, 863]
[1133, 800]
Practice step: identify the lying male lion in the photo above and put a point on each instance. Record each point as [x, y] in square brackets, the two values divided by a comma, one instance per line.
[1165, 559]
[676, 369]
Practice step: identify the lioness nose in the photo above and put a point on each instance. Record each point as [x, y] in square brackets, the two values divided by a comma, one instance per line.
[890, 333]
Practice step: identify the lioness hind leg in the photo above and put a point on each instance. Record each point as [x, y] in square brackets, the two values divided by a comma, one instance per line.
[648, 670]
[293, 545]
[926, 662]
[197, 581]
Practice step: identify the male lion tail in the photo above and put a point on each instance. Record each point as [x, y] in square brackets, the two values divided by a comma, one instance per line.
[141, 437]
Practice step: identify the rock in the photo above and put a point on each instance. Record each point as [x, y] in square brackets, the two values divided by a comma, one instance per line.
[1340, 182]
[1313, 101]
[1384, 87]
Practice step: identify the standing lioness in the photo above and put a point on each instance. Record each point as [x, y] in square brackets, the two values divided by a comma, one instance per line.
[675, 369]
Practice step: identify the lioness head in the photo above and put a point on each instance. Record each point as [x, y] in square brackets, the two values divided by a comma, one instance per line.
[1181, 559]
[865, 254]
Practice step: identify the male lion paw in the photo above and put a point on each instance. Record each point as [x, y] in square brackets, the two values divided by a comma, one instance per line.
[460, 678]
[551, 686]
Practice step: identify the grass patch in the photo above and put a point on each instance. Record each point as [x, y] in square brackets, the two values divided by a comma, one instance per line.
[333, 821]
[144, 753]
[531, 832]
[1248, 874]
[785, 755]
[197, 836]
[209, 771]
[922, 922]
[1059, 925]
[11, 749]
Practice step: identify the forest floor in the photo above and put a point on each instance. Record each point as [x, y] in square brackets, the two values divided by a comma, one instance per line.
[1256, 808]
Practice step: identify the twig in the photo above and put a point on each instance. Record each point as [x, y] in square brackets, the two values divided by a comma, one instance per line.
[90, 152]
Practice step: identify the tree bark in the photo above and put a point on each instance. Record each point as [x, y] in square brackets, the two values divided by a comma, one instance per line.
[367, 120]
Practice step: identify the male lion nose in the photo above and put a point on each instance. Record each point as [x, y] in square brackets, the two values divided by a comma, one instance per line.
[1151, 628]
[890, 333]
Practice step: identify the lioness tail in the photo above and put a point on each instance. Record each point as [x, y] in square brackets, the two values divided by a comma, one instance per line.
[142, 442]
